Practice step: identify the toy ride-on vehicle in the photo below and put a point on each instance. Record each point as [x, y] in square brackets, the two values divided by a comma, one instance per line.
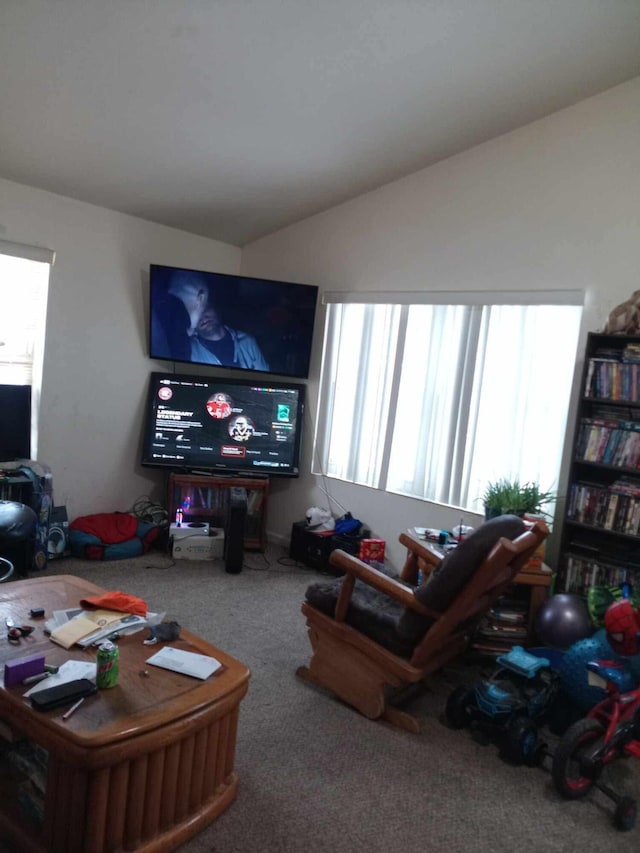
[509, 706]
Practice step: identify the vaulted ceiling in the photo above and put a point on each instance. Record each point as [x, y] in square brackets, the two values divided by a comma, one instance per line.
[234, 118]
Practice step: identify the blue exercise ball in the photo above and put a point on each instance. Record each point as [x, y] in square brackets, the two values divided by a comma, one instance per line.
[563, 620]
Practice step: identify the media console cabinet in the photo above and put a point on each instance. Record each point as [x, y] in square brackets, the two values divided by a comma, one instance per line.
[144, 765]
[204, 497]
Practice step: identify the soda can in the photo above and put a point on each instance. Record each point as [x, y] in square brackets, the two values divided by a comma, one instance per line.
[108, 665]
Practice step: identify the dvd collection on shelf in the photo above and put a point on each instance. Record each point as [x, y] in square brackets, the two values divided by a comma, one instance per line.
[583, 572]
[600, 539]
[614, 374]
[615, 507]
[610, 439]
[206, 497]
[213, 498]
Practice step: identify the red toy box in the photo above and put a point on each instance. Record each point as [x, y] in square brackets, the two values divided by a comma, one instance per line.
[372, 550]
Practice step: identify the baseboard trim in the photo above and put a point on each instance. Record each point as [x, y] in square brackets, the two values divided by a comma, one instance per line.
[278, 539]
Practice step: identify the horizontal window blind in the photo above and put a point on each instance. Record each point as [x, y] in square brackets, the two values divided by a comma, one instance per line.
[434, 400]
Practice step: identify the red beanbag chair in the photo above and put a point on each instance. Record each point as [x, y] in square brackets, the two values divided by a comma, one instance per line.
[111, 536]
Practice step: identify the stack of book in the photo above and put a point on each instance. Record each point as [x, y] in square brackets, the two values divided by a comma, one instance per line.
[503, 627]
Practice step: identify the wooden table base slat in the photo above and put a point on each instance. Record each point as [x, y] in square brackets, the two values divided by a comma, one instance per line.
[151, 815]
[117, 799]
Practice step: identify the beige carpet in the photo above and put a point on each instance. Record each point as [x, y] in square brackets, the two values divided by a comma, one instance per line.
[316, 776]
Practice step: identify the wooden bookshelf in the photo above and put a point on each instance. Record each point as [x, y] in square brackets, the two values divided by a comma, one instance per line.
[600, 539]
[204, 497]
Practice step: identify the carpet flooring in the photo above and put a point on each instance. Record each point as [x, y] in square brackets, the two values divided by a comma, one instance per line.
[315, 775]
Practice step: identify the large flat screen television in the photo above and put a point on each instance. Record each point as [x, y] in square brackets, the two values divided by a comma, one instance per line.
[231, 321]
[201, 423]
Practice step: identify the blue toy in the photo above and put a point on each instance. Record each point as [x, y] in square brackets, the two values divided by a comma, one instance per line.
[510, 705]
[574, 674]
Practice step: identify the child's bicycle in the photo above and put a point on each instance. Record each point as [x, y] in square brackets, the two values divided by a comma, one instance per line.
[609, 731]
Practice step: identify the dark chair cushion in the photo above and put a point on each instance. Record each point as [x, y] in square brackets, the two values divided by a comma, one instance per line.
[370, 612]
[389, 623]
[450, 576]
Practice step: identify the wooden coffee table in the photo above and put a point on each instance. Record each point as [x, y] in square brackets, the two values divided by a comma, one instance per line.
[144, 765]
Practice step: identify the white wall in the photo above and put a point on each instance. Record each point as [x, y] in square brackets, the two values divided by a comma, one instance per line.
[96, 368]
[553, 205]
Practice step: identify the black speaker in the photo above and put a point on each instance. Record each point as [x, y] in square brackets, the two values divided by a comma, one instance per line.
[310, 548]
[313, 549]
[58, 542]
[234, 530]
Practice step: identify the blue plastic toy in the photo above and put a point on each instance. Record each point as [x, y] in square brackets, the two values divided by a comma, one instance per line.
[510, 705]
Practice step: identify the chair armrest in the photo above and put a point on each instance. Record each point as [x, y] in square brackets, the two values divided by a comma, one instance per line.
[357, 569]
[421, 556]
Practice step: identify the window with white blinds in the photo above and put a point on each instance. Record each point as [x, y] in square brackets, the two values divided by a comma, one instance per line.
[24, 283]
[435, 395]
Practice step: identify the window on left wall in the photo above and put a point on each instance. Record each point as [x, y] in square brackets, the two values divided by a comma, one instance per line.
[24, 286]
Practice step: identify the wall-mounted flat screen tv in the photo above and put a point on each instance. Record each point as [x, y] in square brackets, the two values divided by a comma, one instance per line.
[200, 423]
[231, 321]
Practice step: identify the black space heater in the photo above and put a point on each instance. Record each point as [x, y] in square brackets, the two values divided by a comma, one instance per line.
[234, 531]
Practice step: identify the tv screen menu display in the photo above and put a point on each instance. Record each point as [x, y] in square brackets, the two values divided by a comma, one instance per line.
[211, 424]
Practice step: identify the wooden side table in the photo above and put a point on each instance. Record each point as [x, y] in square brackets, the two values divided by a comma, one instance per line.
[538, 581]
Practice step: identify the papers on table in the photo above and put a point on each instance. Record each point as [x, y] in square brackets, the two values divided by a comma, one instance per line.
[59, 617]
[432, 534]
[86, 627]
[69, 671]
[128, 624]
[187, 663]
[83, 624]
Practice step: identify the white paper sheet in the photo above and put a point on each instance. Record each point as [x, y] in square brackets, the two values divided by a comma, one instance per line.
[69, 671]
[187, 663]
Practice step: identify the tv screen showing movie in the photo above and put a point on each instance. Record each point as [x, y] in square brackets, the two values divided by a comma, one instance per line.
[231, 321]
[202, 423]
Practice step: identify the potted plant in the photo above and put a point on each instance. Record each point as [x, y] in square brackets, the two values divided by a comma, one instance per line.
[511, 497]
[533, 499]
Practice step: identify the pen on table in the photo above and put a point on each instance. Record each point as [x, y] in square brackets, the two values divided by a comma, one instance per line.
[73, 709]
[34, 679]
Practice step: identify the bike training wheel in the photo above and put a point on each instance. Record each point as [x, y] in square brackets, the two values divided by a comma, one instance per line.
[571, 779]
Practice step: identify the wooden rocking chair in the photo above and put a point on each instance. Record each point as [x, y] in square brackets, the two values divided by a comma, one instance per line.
[372, 634]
